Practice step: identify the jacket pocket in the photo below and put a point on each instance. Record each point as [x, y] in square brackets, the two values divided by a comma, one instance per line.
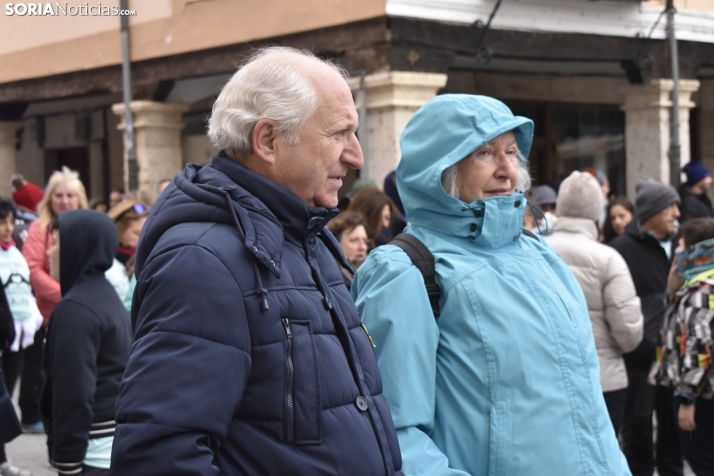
[302, 402]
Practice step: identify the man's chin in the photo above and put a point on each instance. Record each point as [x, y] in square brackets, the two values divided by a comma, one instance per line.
[326, 202]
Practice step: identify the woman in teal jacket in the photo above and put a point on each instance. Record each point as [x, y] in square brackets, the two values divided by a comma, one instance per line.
[506, 380]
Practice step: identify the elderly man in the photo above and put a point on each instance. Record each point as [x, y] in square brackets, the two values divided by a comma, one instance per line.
[647, 245]
[250, 357]
[505, 380]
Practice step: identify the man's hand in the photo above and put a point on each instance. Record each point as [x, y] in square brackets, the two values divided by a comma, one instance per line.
[686, 417]
[674, 280]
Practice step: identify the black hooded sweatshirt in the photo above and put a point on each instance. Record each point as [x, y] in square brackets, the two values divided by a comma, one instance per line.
[88, 340]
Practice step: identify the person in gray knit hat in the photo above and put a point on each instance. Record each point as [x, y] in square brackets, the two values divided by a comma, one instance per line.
[651, 198]
[646, 246]
[613, 305]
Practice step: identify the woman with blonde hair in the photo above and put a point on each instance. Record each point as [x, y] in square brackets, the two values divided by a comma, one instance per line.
[64, 192]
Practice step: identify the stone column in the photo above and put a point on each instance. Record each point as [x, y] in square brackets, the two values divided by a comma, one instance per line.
[157, 127]
[647, 130]
[8, 140]
[706, 126]
[392, 98]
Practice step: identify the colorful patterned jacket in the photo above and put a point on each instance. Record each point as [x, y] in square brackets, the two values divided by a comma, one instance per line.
[684, 360]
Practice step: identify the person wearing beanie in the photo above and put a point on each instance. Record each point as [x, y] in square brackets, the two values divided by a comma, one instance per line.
[613, 305]
[646, 245]
[544, 198]
[26, 194]
[604, 184]
[695, 202]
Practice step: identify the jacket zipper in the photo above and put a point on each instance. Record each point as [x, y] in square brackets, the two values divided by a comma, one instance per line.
[291, 376]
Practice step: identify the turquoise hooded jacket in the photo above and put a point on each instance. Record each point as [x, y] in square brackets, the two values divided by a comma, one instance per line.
[506, 381]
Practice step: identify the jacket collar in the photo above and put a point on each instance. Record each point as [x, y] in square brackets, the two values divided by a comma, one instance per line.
[297, 219]
[584, 226]
[490, 223]
[634, 230]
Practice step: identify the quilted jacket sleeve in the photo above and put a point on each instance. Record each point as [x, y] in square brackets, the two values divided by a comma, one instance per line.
[390, 296]
[188, 368]
[623, 313]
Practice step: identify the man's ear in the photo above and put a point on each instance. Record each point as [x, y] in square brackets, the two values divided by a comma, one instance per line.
[265, 140]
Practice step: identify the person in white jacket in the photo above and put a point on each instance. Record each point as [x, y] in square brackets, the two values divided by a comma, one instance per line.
[603, 275]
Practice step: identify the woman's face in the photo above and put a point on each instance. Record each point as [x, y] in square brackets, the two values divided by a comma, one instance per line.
[489, 171]
[619, 217]
[386, 216]
[354, 243]
[63, 199]
[131, 235]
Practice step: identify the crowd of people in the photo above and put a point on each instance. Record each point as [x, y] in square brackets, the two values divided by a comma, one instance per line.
[456, 321]
[33, 289]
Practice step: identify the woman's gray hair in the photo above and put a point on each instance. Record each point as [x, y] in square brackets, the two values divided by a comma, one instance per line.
[267, 86]
[448, 177]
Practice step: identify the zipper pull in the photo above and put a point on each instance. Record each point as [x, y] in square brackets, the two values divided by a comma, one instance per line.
[264, 301]
[286, 325]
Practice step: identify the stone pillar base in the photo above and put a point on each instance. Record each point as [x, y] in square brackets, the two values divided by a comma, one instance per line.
[8, 153]
[392, 98]
[647, 130]
[157, 127]
[706, 126]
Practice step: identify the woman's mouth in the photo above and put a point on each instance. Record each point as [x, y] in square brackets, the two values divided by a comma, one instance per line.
[497, 192]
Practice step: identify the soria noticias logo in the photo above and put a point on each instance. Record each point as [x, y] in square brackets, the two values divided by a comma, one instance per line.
[64, 8]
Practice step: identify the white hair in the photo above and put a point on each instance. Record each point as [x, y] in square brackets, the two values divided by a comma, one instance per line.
[269, 85]
[448, 177]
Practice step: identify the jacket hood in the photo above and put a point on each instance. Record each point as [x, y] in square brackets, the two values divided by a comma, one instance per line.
[440, 134]
[88, 243]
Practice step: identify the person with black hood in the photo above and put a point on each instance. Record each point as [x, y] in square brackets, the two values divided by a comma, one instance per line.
[88, 345]
[647, 247]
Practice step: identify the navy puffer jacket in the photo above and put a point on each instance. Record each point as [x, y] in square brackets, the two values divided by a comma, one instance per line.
[249, 355]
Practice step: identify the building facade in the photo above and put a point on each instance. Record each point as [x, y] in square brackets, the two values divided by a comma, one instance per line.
[559, 62]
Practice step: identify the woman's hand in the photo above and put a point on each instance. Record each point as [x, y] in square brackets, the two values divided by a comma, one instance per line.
[686, 417]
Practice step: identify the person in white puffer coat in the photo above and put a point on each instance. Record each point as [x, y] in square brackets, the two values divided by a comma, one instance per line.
[603, 275]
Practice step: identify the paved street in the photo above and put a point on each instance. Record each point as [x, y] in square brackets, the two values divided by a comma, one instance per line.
[29, 451]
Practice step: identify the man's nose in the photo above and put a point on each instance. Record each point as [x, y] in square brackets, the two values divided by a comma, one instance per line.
[352, 154]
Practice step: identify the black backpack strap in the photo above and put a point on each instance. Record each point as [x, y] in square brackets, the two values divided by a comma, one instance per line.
[424, 261]
[530, 234]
